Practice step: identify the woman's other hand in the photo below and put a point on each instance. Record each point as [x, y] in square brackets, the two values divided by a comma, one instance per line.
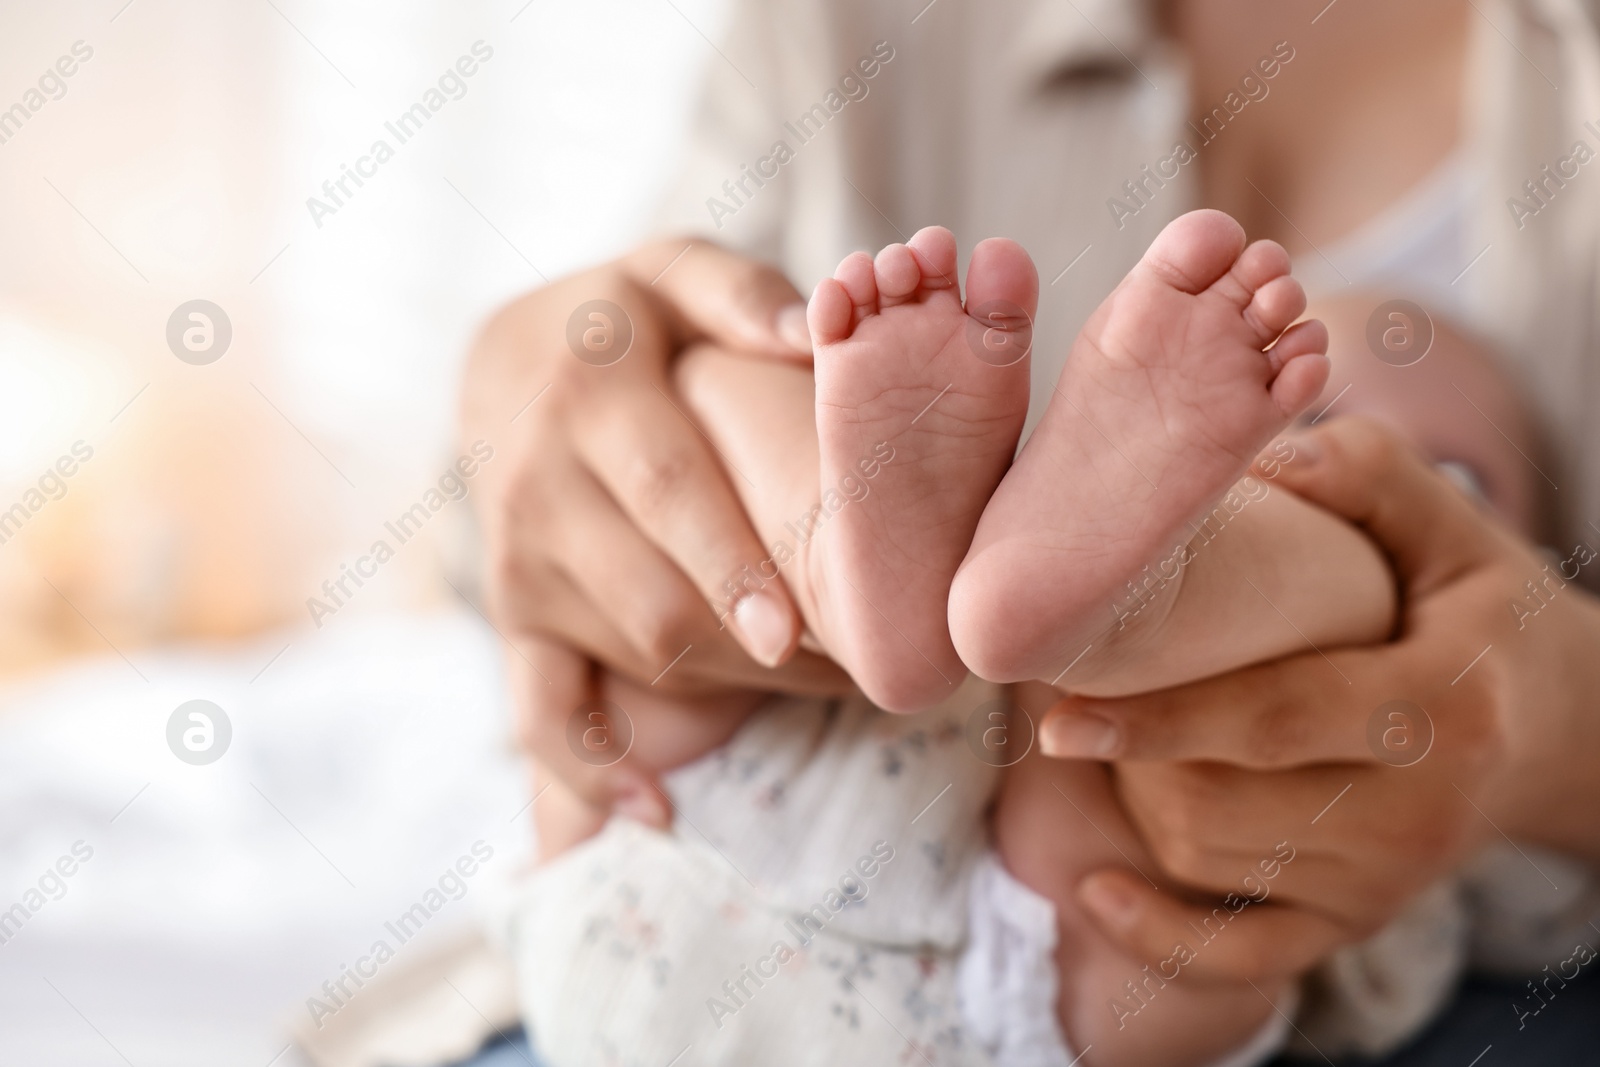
[1382, 768]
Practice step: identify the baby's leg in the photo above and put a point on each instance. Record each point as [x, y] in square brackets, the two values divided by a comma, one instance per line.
[1279, 559]
[903, 363]
[1267, 575]
[1106, 552]
[1057, 821]
[660, 730]
[916, 431]
[911, 420]
[1172, 389]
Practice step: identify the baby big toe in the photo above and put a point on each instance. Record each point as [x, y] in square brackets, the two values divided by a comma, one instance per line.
[1195, 250]
[1002, 274]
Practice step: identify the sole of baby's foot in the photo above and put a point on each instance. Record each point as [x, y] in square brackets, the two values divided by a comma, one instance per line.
[920, 402]
[1177, 381]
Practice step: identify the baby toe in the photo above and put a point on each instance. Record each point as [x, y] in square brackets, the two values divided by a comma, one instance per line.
[1003, 295]
[1301, 361]
[830, 315]
[855, 274]
[898, 275]
[935, 249]
[1259, 264]
[1002, 274]
[1274, 306]
[1195, 250]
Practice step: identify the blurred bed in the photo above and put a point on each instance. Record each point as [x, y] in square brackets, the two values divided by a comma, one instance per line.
[210, 902]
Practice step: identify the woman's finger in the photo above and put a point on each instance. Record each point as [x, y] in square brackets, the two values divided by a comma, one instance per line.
[709, 292]
[1282, 714]
[715, 663]
[663, 474]
[1221, 829]
[1236, 940]
[611, 562]
[1367, 474]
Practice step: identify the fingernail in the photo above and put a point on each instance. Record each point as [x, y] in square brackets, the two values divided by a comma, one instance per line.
[645, 805]
[791, 326]
[1079, 734]
[767, 626]
[1110, 901]
[1306, 448]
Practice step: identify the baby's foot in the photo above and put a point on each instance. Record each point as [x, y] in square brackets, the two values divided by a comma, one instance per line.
[920, 401]
[1169, 393]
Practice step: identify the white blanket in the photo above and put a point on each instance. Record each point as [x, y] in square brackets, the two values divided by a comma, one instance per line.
[365, 761]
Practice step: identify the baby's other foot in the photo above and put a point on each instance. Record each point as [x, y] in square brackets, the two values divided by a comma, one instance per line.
[1177, 381]
[920, 402]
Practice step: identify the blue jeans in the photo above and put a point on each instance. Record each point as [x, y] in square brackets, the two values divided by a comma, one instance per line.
[504, 1052]
[1482, 1021]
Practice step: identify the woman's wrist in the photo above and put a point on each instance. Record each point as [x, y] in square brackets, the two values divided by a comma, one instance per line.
[1550, 792]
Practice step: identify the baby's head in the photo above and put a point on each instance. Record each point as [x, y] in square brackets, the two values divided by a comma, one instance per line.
[1446, 389]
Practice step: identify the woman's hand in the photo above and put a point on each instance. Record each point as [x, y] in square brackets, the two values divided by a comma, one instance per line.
[1377, 800]
[612, 530]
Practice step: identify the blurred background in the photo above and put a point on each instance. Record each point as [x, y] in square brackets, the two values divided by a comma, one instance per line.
[354, 756]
